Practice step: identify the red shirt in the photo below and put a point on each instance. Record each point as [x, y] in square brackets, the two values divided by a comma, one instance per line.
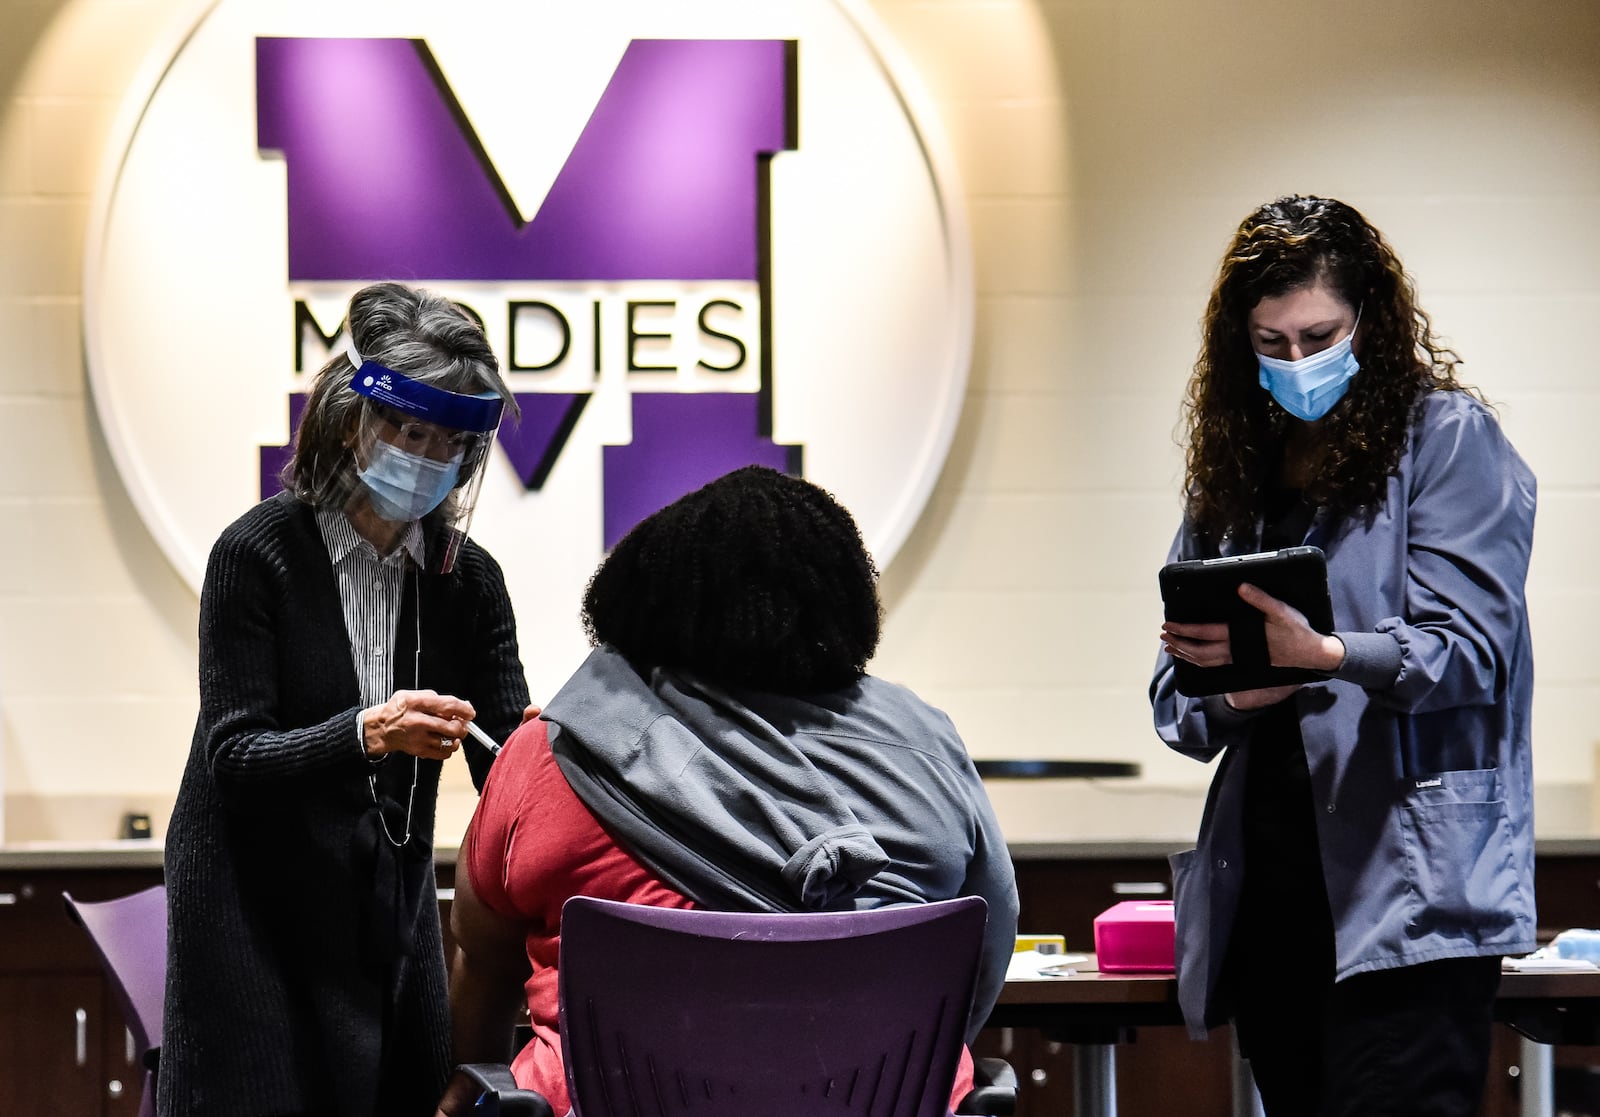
[532, 845]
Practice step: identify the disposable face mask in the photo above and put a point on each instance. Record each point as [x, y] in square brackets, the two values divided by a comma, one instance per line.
[1308, 388]
[406, 486]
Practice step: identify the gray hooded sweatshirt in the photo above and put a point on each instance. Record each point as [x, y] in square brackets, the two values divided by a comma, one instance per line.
[860, 798]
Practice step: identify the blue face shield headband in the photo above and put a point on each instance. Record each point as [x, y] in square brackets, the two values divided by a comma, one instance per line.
[1308, 388]
[478, 414]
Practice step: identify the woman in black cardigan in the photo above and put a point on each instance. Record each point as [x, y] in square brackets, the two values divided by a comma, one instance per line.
[348, 633]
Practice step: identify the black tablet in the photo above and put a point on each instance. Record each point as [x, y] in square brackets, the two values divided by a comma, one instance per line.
[1203, 591]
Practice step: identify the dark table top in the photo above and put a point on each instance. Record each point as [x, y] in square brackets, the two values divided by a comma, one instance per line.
[1090, 1006]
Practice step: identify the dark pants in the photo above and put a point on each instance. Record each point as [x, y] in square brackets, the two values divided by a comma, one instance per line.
[1412, 1041]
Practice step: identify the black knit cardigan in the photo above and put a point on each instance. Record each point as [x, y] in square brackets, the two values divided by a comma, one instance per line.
[305, 967]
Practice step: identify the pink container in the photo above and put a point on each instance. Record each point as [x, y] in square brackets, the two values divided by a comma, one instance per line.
[1135, 936]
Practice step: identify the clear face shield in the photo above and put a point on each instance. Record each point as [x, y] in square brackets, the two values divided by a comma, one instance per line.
[419, 452]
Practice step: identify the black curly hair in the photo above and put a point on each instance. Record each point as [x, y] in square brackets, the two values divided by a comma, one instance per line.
[1236, 431]
[757, 580]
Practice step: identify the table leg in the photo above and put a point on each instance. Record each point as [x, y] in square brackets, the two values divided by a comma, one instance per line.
[1094, 1079]
[1536, 1082]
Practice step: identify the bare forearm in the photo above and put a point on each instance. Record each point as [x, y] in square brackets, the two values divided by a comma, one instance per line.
[484, 1006]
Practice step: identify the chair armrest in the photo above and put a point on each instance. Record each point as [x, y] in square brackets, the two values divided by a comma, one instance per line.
[994, 1089]
[498, 1094]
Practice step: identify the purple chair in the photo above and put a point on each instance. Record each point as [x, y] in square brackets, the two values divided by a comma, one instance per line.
[130, 936]
[698, 1013]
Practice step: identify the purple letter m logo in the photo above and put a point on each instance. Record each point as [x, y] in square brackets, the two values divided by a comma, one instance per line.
[386, 180]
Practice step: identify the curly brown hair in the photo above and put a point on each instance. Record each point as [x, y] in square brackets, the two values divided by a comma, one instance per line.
[1236, 432]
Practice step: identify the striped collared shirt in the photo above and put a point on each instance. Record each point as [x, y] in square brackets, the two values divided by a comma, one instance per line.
[370, 587]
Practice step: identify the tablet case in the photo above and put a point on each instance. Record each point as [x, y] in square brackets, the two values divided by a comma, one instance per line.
[1206, 590]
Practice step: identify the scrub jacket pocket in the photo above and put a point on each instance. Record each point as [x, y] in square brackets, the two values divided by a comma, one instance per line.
[1458, 854]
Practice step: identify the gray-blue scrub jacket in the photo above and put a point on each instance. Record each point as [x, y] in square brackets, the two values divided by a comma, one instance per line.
[1418, 747]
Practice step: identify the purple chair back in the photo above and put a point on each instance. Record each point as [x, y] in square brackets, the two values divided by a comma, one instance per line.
[697, 1013]
[130, 935]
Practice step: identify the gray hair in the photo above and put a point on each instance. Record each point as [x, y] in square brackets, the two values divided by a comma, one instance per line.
[411, 331]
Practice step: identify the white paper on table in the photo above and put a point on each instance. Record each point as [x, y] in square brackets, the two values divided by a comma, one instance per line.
[1029, 965]
[1536, 963]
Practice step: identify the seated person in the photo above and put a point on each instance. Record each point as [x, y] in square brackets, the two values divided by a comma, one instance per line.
[723, 747]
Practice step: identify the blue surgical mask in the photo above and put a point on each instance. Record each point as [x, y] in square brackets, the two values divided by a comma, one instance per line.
[406, 486]
[1308, 388]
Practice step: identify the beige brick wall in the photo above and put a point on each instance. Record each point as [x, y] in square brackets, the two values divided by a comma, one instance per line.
[1107, 149]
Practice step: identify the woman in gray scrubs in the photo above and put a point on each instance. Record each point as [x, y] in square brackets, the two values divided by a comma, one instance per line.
[1366, 854]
